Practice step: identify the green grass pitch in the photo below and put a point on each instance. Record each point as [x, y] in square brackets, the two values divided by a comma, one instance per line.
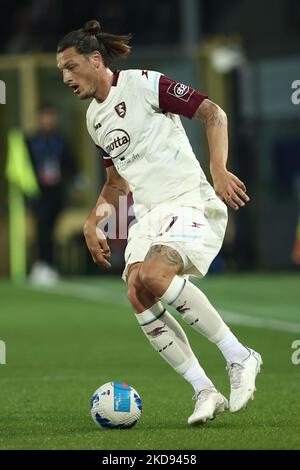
[63, 343]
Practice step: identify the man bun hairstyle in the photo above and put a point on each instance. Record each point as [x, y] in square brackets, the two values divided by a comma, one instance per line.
[90, 38]
[92, 27]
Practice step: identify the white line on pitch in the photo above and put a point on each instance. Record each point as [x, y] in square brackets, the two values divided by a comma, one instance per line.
[93, 293]
[259, 322]
[111, 295]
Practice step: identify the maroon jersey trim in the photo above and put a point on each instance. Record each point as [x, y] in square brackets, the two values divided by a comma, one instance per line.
[107, 161]
[116, 77]
[177, 98]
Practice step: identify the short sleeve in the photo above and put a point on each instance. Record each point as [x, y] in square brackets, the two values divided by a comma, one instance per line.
[149, 82]
[177, 98]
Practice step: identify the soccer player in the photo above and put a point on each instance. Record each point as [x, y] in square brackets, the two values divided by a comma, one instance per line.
[134, 120]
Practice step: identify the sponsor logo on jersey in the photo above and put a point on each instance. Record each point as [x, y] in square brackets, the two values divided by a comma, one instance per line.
[145, 72]
[124, 161]
[121, 109]
[116, 142]
[180, 91]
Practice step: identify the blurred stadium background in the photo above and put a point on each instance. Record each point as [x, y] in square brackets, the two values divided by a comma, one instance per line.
[245, 55]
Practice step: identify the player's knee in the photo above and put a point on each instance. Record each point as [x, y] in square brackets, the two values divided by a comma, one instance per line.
[153, 281]
[140, 298]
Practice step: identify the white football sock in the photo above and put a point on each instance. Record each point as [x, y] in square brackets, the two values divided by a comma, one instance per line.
[196, 310]
[197, 378]
[167, 337]
[232, 349]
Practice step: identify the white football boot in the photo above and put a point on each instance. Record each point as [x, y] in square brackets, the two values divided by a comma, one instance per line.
[242, 380]
[209, 404]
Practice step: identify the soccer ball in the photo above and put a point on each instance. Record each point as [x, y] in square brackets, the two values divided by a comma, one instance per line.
[116, 405]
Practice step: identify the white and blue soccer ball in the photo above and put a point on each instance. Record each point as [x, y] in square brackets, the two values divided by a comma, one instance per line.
[116, 405]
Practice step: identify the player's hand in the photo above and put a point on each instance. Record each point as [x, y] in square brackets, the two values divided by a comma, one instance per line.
[230, 189]
[97, 244]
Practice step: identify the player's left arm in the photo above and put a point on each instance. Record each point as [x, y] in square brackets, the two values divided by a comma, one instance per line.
[227, 186]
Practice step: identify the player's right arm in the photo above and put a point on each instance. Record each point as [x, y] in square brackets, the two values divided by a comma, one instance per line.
[114, 187]
[173, 97]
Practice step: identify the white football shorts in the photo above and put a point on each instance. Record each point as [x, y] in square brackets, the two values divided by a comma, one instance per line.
[196, 230]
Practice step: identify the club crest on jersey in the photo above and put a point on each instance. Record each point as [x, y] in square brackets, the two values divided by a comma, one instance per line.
[121, 109]
[181, 91]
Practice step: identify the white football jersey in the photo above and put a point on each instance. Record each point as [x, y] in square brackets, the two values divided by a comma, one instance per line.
[139, 131]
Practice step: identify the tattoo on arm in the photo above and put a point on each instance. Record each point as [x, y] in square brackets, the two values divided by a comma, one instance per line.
[217, 119]
[167, 254]
[118, 189]
[211, 114]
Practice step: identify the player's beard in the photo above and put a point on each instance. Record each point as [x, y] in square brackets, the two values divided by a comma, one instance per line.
[88, 94]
